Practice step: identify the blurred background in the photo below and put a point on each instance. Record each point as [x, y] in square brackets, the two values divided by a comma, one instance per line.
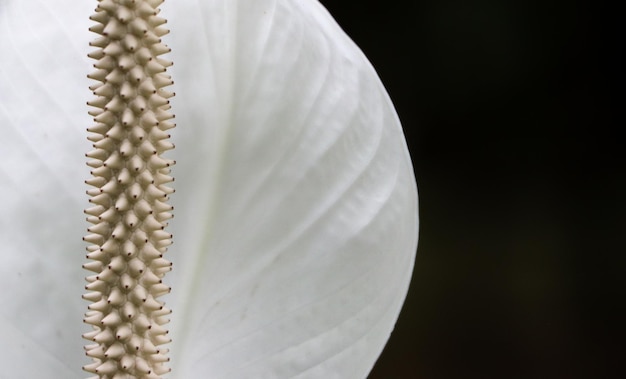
[512, 111]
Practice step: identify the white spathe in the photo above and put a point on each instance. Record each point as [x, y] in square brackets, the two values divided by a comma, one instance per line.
[296, 206]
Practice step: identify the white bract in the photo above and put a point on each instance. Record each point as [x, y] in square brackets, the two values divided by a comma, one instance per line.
[296, 205]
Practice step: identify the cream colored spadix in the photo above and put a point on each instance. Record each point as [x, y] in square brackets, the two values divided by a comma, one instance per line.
[296, 207]
[129, 194]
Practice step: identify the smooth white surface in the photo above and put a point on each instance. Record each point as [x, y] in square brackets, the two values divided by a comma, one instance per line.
[43, 90]
[296, 206]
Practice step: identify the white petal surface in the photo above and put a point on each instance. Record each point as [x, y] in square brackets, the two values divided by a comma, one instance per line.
[296, 206]
[293, 168]
[43, 90]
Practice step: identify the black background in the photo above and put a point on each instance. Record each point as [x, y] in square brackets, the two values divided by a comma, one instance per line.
[512, 111]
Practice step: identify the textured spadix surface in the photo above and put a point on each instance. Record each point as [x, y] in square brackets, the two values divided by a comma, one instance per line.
[296, 207]
[130, 177]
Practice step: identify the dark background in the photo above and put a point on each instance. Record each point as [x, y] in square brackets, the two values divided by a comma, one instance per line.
[512, 111]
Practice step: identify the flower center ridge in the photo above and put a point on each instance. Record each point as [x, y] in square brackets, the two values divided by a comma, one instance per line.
[129, 192]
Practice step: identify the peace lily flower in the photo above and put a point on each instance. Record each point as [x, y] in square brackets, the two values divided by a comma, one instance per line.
[296, 206]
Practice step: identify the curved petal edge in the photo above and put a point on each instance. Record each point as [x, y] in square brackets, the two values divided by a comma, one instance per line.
[296, 224]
